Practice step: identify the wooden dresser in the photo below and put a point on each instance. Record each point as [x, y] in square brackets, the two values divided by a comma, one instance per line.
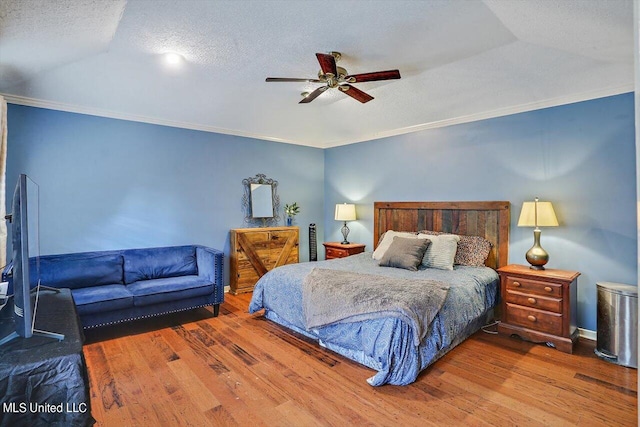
[338, 250]
[254, 251]
[539, 305]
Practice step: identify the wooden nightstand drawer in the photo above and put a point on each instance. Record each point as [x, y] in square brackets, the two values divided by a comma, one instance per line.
[537, 320]
[338, 250]
[534, 286]
[534, 301]
[336, 253]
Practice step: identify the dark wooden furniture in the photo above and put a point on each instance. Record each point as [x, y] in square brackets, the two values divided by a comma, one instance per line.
[254, 251]
[43, 380]
[539, 305]
[490, 220]
[338, 250]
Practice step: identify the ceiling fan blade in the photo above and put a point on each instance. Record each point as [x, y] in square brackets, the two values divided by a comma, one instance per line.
[327, 63]
[287, 79]
[370, 77]
[356, 94]
[313, 95]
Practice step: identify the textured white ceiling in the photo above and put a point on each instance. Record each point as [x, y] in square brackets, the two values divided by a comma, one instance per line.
[460, 60]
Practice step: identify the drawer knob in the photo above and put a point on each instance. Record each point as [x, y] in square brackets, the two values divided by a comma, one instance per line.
[531, 300]
[532, 318]
[516, 284]
[548, 288]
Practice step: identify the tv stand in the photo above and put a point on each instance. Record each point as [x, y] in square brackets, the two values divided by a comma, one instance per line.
[39, 332]
[35, 332]
[46, 288]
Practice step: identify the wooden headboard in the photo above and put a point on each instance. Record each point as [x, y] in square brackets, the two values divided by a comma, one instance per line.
[490, 220]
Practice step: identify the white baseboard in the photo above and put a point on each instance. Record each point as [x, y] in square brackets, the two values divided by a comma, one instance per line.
[226, 289]
[588, 334]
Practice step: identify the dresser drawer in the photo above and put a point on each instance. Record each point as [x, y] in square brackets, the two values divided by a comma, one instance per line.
[534, 301]
[336, 253]
[542, 321]
[534, 286]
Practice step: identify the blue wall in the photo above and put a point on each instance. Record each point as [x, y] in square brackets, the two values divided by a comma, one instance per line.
[108, 184]
[581, 157]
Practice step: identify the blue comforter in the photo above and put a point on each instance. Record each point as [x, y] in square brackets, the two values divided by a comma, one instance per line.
[384, 345]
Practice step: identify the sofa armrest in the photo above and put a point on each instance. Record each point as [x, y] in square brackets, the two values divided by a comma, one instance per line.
[210, 264]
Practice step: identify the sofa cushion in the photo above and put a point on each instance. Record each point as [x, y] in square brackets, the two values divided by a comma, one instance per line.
[157, 263]
[146, 292]
[96, 299]
[79, 270]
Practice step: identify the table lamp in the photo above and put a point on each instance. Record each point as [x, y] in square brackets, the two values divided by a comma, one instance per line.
[537, 214]
[345, 212]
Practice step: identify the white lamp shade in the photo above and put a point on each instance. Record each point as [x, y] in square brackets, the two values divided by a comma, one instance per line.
[537, 214]
[345, 212]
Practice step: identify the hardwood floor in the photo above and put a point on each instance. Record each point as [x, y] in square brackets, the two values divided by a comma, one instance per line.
[240, 369]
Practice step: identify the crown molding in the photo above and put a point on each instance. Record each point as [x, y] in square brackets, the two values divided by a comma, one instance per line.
[522, 108]
[507, 111]
[70, 108]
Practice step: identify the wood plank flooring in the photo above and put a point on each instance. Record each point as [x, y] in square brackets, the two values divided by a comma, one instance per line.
[240, 369]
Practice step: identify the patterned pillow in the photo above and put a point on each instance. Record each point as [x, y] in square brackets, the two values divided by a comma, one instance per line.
[472, 250]
[441, 252]
[405, 253]
[387, 238]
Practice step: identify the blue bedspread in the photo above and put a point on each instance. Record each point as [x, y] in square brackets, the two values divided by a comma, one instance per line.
[384, 345]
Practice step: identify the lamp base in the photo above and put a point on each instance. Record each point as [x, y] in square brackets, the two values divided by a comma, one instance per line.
[537, 256]
[345, 233]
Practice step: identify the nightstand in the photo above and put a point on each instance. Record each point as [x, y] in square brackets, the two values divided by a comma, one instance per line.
[338, 250]
[539, 305]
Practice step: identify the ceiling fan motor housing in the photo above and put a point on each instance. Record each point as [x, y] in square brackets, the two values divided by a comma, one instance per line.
[332, 80]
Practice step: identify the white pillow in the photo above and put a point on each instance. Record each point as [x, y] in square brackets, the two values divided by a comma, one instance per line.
[441, 252]
[387, 239]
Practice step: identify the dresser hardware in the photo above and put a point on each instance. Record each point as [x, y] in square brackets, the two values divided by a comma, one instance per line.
[532, 318]
[516, 284]
[548, 288]
[531, 300]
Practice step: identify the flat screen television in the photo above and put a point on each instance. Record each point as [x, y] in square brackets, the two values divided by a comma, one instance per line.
[25, 265]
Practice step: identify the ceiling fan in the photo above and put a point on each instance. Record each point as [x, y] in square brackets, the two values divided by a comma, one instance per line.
[337, 77]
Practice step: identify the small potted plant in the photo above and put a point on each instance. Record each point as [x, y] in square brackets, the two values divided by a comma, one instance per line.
[291, 211]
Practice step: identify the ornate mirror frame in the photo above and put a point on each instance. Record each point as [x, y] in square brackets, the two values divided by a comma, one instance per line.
[247, 202]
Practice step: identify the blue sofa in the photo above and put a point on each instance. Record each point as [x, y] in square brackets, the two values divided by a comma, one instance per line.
[116, 286]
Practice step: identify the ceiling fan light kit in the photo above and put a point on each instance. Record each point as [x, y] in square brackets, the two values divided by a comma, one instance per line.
[334, 77]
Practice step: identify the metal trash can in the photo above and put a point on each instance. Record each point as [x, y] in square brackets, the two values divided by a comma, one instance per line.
[618, 323]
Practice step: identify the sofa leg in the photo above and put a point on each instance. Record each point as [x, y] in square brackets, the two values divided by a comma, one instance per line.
[216, 310]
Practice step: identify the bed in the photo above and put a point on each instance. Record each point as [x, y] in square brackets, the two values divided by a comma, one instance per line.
[396, 343]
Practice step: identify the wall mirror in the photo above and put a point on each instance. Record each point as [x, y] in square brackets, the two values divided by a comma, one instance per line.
[260, 201]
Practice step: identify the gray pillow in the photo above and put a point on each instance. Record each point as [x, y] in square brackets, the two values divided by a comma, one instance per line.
[405, 253]
[442, 251]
